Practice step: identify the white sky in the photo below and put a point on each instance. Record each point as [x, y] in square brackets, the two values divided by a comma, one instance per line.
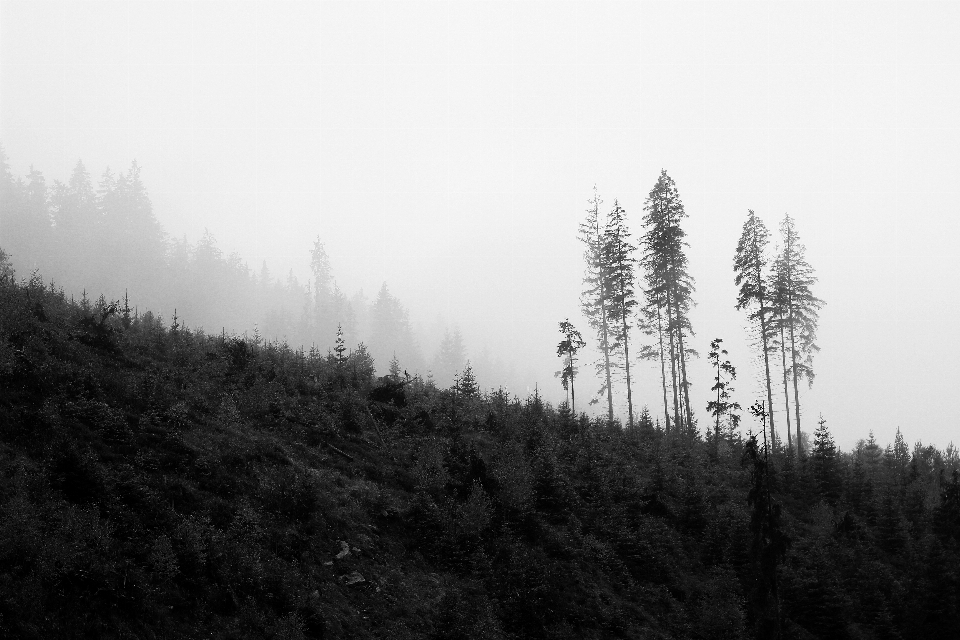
[449, 148]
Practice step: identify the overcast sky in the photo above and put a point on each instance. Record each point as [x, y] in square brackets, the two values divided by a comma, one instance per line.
[449, 148]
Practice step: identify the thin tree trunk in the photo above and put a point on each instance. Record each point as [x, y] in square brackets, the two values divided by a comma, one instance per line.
[716, 431]
[796, 392]
[766, 364]
[663, 371]
[786, 394]
[673, 364]
[601, 273]
[626, 355]
[606, 356]
[573, 393]
[683, 369]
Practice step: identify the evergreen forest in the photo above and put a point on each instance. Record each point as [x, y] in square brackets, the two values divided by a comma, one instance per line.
[160, 480]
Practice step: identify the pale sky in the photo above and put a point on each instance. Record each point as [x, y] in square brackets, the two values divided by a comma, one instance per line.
[449, 148]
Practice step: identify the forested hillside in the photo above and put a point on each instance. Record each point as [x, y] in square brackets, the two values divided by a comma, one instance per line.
[104, 239]
[156, 481]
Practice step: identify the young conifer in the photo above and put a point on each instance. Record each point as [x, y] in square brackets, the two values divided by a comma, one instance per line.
[572, 342]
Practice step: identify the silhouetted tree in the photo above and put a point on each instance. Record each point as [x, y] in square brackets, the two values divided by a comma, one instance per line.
[669, 285]
[796, 312]
[572, 343]
[595, 299]
[824, 463]
[619, 257]
[749, 265]
[726, 373]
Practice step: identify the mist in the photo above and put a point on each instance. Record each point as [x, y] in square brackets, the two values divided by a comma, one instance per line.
[449, 150]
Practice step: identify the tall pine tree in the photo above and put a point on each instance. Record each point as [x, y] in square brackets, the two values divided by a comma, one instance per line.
[669, 287]
[797, 311]
[622, 281]
[595, 299]
[749, 265]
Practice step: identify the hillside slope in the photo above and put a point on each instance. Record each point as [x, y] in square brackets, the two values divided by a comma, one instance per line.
[160, 483]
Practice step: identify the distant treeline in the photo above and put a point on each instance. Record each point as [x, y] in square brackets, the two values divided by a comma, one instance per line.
[106, 240]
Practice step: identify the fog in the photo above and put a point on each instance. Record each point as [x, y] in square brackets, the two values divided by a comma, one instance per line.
[449, 150]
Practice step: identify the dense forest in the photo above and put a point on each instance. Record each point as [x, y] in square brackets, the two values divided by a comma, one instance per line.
[172, 481]
[105, 239]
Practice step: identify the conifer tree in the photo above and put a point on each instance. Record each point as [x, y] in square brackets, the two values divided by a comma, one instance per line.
[572, 343]
[394, 367]
[726, 373]
[824, 462]
[595, 299]
[749, 265]
[467, 383]
[669, 285]
[622, 281]
[797, 311]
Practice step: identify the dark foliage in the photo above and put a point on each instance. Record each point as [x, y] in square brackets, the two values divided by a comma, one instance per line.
[156, 482]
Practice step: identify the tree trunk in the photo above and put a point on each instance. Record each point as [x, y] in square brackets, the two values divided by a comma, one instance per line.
[673, 366]
[786, 394]
[796, 392]
[683, 372]
[766, 364]
[626, 356]
[606, 355]
[663, 371]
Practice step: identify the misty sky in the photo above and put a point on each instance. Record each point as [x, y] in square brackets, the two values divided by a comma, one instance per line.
[449, 148]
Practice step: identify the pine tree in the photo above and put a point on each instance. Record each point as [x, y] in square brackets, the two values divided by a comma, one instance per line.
[619, 258]
[669, 286]
[749, 265]
[796, 310]
[596, 295]
[340, 348]
[572, 343]
[467, 383]
[726, 373]
[394, 367]
[824, 463]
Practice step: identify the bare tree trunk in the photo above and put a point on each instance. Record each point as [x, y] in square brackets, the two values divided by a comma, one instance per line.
[683, 369]
[766, 364]
[673, 366]
[786, 395]
[573, 393]
[663, 371]
[626, 355]
[606, 356]
[796, 393]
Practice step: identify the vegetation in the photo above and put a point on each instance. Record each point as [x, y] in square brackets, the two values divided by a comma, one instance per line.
[669, 292]
[159, 481]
